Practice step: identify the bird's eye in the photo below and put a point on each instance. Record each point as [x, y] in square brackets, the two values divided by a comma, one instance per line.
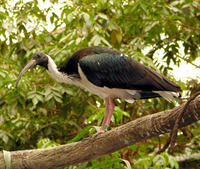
[37, 56]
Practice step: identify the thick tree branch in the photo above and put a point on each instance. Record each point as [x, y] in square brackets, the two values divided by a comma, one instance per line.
[98, 145]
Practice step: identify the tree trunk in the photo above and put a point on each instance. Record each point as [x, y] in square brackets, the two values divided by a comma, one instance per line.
[110, 141]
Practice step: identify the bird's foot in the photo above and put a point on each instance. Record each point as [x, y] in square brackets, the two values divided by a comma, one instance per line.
[101, 131]
[106, 128]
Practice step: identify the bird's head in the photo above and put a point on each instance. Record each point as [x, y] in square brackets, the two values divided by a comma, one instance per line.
[38, 58]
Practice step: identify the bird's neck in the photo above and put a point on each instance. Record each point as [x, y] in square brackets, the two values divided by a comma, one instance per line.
[55, 73]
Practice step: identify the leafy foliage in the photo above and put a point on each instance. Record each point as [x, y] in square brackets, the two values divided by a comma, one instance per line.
[160, 161]
[42, 113]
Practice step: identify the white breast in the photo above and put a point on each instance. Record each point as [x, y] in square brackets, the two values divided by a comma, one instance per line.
[53, 71]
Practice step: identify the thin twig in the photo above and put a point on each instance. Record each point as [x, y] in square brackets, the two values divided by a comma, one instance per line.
[197, 66]
[172, 138]
[176, 125]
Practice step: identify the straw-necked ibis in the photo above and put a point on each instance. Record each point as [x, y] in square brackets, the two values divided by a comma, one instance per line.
[109, 74]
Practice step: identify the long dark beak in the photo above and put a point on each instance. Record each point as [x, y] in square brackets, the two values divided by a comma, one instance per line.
[26, 68]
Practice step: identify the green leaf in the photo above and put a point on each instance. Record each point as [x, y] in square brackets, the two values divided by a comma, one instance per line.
[81, 134]
[127, 163]
[35, 101]
[173, 163]
[45, 143]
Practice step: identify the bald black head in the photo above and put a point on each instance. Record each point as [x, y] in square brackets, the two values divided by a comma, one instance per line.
[38, 58]
[41, 59]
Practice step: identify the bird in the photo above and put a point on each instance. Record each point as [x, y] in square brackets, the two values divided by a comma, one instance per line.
[109, 74]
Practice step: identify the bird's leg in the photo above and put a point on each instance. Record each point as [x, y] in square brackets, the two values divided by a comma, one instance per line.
[111, 107]
[106, 115]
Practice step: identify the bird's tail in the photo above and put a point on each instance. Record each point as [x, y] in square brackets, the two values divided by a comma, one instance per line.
[163, 84]
[168, 95]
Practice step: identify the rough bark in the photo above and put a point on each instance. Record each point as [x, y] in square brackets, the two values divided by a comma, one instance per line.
[98, 145]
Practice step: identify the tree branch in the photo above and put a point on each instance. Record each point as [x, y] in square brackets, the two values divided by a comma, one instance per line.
[188, 61]
[110, 141]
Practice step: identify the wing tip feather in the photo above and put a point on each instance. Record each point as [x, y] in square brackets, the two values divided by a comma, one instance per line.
[168, 95]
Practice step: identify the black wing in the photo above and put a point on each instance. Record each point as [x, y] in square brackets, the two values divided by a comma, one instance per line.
[71, 66]
[120, 71]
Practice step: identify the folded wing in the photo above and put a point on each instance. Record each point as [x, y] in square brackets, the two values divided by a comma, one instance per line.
[120, 71]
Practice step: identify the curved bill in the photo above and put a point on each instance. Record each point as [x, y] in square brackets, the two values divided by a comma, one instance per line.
[26, 68]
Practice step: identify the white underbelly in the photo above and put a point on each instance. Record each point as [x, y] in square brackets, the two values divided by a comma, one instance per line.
[104, 92]
[125, 94]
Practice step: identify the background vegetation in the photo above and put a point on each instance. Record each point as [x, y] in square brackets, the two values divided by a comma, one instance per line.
[42, 113]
